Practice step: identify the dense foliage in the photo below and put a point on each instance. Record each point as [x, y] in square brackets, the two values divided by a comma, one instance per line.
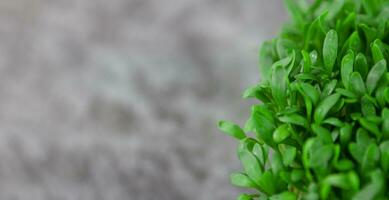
[321, 127]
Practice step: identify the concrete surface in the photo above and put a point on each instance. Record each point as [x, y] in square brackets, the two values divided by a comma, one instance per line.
[119, 99]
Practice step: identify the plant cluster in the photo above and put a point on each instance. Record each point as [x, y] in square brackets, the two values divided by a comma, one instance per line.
[321, 127]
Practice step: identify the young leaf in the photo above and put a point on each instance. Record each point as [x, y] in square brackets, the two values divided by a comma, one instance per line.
[349, 181]
[232, 130]
[330, 50]
[267, 183]
[334, 122]
[371, 190]
[281, 133]
[241, 180]
[346, 93]
[376, 51]
[309, 91]
[261, 152]
[329, 88]
[324, 106]
[361, 65]
[367, 106]
[251, 166]
[375, 75]
[371, 6]
[262, 123]
[371, 157]
[384, 148]
[347, 68]
[345, 134]
[295, 119]
[356, 84]
[323, 134]
[288, 154]
[321, 156]
[371, 127]
[279, 85]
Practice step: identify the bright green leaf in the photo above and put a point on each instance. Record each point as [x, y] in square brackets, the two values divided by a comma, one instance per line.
[330, 50]
[232, 130]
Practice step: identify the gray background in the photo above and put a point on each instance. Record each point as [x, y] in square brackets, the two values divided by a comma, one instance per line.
[119, 99]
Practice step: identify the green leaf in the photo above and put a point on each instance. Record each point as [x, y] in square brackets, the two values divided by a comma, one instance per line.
[384, 148]
[284, 196]
[232, 130]
[276, 163]
[247, 144]
[330, 50]
[385, 127]
[361, 65]
[295, 119]
[307, 61]
[241, 180]
[346, 93]
[347, 68]
[297, 175]
[329, 88]
[281, 133]
[345, 134]
[371, 157]
[334, 122]
[309, 91]
[312, 193]
[353, 43]
[344, 165]
[371, 127]
[356, 84]
[371, 190]
[279, 85]
[251, 166]
[262, 123]
[315, 29]
[288, 154]
[261, 152]
[376, 51]
[386, 94]
[358, 149]
[380, 96]
[367, 106]
[321, 156]
[322, 133]
[375, 75]
[349, 181]
[372, 6]
[267, 183]
[324, 106]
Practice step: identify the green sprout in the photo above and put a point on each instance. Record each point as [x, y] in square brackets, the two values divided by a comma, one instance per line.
[320, 129]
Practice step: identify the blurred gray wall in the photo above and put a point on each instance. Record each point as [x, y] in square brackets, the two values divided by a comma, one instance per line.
[119, 99]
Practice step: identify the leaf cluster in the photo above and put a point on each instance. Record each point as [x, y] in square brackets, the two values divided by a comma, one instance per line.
[321, 127]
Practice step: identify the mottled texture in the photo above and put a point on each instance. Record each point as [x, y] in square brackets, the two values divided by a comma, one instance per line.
[119, 99]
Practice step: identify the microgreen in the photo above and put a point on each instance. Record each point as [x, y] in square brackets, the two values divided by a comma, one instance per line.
[320, 129]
